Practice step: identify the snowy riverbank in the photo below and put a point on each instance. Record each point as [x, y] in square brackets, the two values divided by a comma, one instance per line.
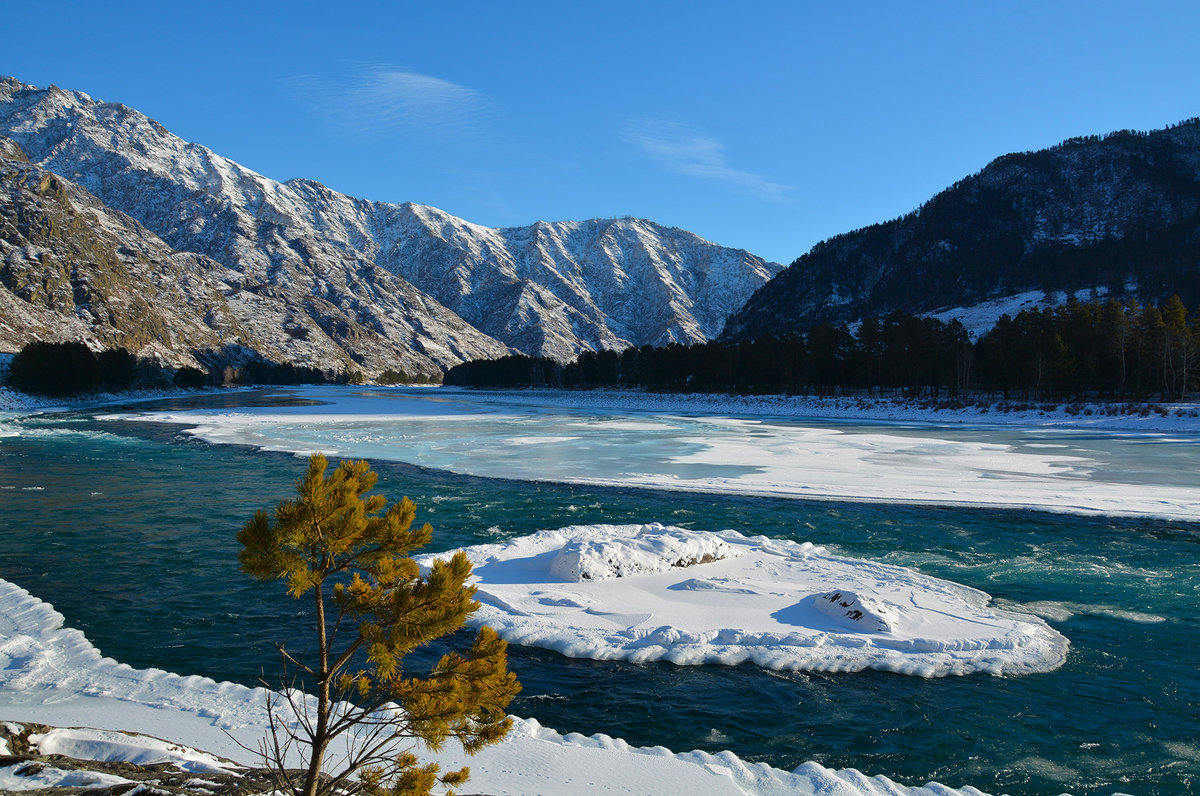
[1179, 417]
[53, 675]
[16, 402]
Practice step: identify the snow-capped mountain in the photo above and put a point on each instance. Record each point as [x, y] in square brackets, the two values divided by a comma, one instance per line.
[548, 289]
[555, 289]
[72, 268]
[1091, 213]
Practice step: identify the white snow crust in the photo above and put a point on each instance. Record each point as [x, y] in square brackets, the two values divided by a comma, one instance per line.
[859, 610]
[978, 319]
[650, 549]
[86, 743]
[779, 604]
[14, 780]
[52, 674]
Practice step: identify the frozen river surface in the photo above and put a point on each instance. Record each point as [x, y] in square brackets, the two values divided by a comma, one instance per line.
[512, 435]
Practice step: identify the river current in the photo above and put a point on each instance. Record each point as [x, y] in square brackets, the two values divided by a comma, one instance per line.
[128, 529]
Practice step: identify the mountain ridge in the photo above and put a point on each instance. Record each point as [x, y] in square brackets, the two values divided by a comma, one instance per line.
[551, 288]
[72, 268]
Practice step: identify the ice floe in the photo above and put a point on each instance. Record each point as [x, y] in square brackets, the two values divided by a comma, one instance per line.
[650, 592]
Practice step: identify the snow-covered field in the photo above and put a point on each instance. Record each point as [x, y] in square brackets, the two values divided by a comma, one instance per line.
[52, 674]
[849, 449]
[647, 593]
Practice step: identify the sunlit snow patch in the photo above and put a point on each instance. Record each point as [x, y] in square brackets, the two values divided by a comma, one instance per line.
[23, 776]
[649, 592]
[860, 612]
[87, 743]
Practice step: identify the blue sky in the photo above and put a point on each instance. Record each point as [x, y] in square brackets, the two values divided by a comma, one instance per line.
[767, 126]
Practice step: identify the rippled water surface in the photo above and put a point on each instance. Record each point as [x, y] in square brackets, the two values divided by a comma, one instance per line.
[128, 529]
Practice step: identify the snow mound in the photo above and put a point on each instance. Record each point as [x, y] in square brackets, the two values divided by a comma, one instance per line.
[85, 743]
[18, 777]
[653, 548]
[859, 611]
[619, 592]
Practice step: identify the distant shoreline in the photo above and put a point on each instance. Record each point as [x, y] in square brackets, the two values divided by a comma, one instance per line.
[1132, 416]
[1179, 417]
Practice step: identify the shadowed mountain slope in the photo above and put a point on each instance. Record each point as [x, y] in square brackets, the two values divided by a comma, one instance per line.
[1090, 212]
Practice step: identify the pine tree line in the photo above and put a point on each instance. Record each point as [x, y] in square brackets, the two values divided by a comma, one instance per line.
[63, 369]
[1077, 350]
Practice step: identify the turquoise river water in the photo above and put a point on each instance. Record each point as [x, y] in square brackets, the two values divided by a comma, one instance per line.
[128, 529]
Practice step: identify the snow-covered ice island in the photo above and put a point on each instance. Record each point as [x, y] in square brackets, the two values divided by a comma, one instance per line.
[651, 592]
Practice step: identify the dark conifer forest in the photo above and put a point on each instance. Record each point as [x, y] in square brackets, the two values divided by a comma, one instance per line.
[71, 368]
[1080, 350]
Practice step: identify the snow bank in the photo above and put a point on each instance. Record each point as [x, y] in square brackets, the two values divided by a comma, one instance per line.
[52, 674]
[779, 604]
[14, 779]
[44, 666]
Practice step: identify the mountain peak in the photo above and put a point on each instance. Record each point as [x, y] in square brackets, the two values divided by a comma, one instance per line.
[607, 283]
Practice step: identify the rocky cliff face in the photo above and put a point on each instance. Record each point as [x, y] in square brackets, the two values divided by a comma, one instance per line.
[548, 289]
[1091, 212]
[72, 268]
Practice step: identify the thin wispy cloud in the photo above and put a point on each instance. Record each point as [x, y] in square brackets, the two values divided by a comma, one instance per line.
[381, 99]
[685, 152]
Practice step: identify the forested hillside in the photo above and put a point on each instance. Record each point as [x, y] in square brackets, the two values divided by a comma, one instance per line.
[1117, 211]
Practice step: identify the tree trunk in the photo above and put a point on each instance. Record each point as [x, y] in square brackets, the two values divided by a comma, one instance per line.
[320, 737]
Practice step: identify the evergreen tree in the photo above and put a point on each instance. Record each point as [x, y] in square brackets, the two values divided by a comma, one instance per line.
[1116, 330]
[1179, 348]
[1153, 349]
[190, 378]
[349, 553]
